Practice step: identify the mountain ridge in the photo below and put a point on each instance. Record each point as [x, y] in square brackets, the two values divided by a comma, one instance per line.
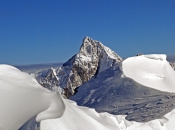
[93, 58]
[115, 92]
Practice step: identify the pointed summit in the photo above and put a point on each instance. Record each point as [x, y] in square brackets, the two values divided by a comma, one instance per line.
[93, 58]
[95, 50]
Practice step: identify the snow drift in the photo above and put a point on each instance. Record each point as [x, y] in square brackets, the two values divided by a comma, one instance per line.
[151, 70]
[22, 98]
[112, 91]
[83, 118]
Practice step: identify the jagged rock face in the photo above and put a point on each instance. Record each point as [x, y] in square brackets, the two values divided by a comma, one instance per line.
[172, 65]
[92, 59]
[48, 79]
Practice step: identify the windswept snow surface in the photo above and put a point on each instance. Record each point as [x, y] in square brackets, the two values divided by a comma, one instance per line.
[22, 98]
[83, 118]
[151, 70]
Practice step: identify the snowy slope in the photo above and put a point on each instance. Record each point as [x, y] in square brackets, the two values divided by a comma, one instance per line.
[22, 98]
[151, 70]
[82, 118]
[93, 58]
[112, 91]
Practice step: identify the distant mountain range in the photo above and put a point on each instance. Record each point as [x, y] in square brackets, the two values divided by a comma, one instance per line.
[171, 58]
[33, 68]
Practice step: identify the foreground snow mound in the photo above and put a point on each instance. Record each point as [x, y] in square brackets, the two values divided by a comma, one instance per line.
[151, 70]
[22, 98]
[93, 58]
[80, 118]
[83, 118]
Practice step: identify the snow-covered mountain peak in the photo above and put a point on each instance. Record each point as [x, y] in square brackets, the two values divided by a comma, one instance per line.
[52, 72]
[89, 47]
[92, 50]
[92, 47]
[93, 58]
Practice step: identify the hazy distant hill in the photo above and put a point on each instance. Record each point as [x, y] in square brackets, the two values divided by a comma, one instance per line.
[32, 68]
[171, 58]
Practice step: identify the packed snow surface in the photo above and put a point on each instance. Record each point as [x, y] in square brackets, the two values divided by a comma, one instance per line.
[83, 118]
[151, 70]
[21, 98]
[117, 94]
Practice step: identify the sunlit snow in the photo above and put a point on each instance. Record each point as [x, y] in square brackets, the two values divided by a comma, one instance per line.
[151, 70]
[22, 98]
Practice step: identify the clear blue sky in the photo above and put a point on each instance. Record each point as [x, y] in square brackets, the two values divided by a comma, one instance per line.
[46, 31]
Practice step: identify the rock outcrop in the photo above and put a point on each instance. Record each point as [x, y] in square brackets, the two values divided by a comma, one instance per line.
[92, 59]
[172, 65]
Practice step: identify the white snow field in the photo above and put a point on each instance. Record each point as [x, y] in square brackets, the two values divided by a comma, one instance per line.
[83, 118]
[150, 70]
[22, 98]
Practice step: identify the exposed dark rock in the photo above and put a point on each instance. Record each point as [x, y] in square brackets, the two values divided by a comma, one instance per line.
[92, 59]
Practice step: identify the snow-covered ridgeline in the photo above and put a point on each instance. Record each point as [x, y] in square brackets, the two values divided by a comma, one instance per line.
[92, 59]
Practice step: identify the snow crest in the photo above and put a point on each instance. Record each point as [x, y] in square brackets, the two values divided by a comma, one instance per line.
[151, 70]
[21, 98]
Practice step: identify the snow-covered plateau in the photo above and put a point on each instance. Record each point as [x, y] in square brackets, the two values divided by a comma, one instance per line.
[22, 98]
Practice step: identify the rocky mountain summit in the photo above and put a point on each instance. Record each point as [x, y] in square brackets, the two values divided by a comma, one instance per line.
[93, 58]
